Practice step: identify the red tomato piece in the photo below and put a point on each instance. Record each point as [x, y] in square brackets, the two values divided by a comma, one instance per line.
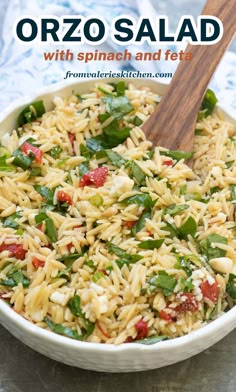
[28, 148]
[142, 329]
[95, 177]
[189, 304]
[38, 263]
[210, 291]
[128, 224]
[168, 162]
[70, 246]
[129, 339]
[64, 197]
[165, 316]
[40, 226]
[15, 250]
[71, 137]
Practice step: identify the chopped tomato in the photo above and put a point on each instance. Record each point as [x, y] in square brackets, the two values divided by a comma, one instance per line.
[64, 197]
[210, 291]
[40, 226]
[129, 339]
[128, 224]
[71, 137]
[142, 329]
[165, 316]
[95, 177]
[28, 149]
[168, 162]
[189, 303]
[38, 263]
[70, 246]
[102, 330]
[15, 250]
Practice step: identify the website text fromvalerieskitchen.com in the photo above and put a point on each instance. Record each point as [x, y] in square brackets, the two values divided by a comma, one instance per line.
[118, 74]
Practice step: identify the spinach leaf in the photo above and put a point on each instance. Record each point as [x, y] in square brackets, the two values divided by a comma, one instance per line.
[175, 209]
[136, 172]
[61, 330]
[208, 104]
[55, 152]
[44, 191]
[183, 262]
[208, 250]
[120, 88]
[118, 106]
[13, 279]
[135, 120]
[229, 164]
[125, 257]
[139, 225]
[172, 230]
[22, 160]
[70, 257]
[50, 230]
[84, 151]
[151, 340]
[141, 199]
[231, 286]
[35, 171]
[10, 221]
[151, 244]
[189, 227]
[40, 218]
[177, 155]
[164, 282]
[75, 308]
[83, 168]
[30, 113]
[116, 159]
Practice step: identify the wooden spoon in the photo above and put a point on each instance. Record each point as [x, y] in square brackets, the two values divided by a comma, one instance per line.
[173, 122]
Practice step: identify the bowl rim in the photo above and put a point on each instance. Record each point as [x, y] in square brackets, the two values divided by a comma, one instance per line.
[228, 318]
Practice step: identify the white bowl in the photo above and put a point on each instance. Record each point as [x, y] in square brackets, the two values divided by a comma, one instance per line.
[94, 356]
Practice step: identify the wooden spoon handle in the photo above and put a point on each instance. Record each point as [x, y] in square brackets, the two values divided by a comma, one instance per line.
[173, 121]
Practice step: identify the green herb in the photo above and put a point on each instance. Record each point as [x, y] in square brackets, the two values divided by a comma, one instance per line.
[10, 221]
[90, 264]
[207, 248]
[198, 132]
[40, 218]
[13, 279]
[125, 258]
[141, 199]
[70, 257]
[151, 244]
[135, 120]
[83, 168]
[96, 200]
[22, 160]
[172, 230]
[151, 340]
[55, 152]
[208, 104]
[233, 193]
[120, 88]
[139, 225]
[35, 171]
[164, 282]
[187, 285]
[188, 228]
[97, 276]
[85, 152]
[231, 286]
[116, 159]
[229, 164]
[111, 137]
[75, 308]
[175, 209]
[61, 330]
[214, 189]
[177, 155]
[50, 230]
[106, 92]
[44, 191]
[30, 113]
[136, 172]
[118, 106]
[184, 262]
